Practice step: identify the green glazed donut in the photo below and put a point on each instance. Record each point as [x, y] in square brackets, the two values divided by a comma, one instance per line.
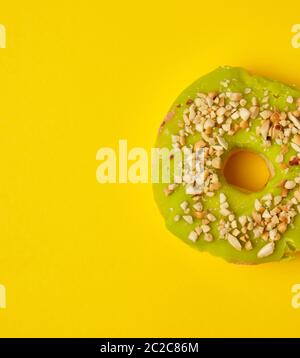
[225, 111]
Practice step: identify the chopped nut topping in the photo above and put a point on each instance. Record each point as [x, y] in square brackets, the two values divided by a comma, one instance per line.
[267, 250]
[290, 185]
[193, 236]
[214, 116]
[188, 219]
[208, 237]
[234, 242]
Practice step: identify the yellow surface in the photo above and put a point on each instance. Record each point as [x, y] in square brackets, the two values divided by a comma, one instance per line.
[79, 258]
[246, 170]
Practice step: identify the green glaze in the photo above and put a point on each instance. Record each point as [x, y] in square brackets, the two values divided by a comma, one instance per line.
[240, 203]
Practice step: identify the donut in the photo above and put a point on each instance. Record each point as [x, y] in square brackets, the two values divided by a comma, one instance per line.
[223, 113]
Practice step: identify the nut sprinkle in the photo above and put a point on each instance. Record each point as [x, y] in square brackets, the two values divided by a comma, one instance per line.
[213, 117]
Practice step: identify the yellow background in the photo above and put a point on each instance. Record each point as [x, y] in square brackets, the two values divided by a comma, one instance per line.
[83, 259]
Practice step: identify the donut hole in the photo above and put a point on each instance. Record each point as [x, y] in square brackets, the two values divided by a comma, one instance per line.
[246, 170]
